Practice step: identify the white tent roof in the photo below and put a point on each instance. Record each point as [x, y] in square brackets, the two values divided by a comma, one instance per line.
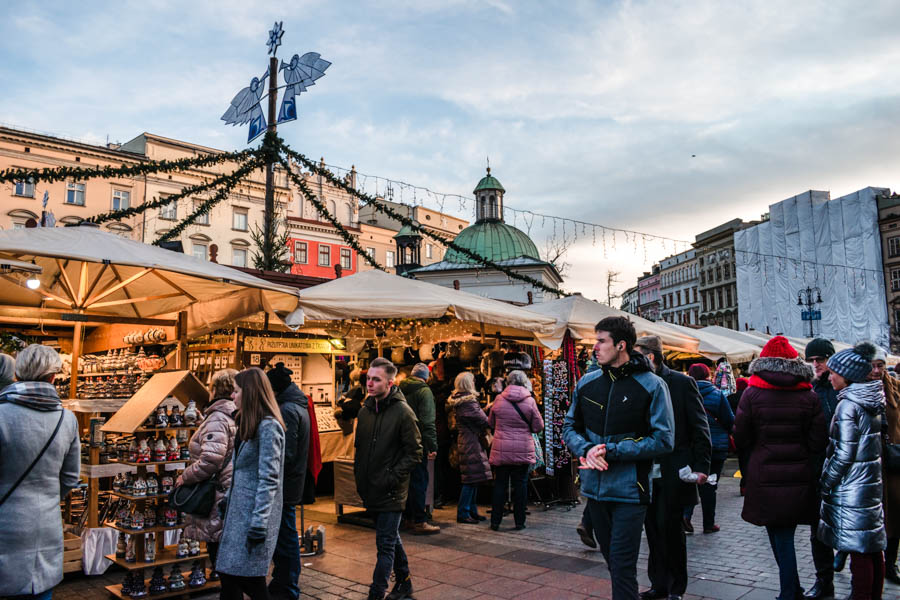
[580, 315]
[715, 346]
[379, 295]
[93, 271]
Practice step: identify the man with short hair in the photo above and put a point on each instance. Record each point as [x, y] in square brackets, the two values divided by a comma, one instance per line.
[419, 397]
[619, 421]
[817, 353]
[388, 447]
[672, 490]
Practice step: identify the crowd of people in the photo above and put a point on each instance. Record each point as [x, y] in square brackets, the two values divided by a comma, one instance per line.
[817, 443]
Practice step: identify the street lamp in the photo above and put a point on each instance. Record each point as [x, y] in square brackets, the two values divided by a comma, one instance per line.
[810, 314]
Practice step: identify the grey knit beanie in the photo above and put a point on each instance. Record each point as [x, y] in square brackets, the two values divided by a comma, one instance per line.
[853, 364]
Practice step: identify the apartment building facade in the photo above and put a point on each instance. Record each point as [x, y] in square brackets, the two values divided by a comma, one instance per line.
[679, 289]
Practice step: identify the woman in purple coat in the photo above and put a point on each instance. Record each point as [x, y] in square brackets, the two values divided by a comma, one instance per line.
[472, 426]
[514, 417]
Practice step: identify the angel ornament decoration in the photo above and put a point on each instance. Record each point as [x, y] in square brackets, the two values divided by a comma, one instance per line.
[299, 74]
[245, 109]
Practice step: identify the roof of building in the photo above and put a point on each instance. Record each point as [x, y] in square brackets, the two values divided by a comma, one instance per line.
[493, 240]
[445, 265]
[488, 182]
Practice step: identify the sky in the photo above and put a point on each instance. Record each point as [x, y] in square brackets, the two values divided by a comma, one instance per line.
[665, 118]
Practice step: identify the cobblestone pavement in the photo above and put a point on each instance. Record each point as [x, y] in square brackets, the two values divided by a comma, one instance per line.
[545, 561]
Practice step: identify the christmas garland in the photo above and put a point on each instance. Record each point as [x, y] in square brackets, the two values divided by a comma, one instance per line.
[370, 200]
[320, 207]
[50, 175]
[207, 205]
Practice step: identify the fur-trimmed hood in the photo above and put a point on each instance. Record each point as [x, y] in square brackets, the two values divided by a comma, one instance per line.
[787, 366]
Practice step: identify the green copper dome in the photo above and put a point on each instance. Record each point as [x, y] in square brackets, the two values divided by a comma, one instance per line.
[493, 240]
[488, 182]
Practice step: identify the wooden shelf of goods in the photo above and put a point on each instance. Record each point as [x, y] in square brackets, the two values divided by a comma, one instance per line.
[116, 590]
[71, 553]
[136, 498]
[155, 429]
[147, 464]
[154, 529]
[163, 557]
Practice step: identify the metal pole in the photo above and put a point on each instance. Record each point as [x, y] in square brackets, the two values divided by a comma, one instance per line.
[269, 217]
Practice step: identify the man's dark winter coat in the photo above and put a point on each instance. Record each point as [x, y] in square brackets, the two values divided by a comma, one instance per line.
[692, 441]
[419, 397]
[781, 428]
[294, 407]
[388, 446]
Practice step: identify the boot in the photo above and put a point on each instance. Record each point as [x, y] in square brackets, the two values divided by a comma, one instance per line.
[820, 591]
[425, 528]
[840, 559]
[402, 589]
[890, 561]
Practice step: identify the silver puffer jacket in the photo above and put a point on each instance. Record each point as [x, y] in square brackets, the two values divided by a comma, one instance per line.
[852, 513]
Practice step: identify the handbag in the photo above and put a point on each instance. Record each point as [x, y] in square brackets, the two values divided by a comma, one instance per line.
[197, 499]
[891, 456]
[538, 451]
[62, 413]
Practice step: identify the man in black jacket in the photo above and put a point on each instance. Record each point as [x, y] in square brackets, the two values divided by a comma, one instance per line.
[294, 407]
[388, 447]
[667, 564]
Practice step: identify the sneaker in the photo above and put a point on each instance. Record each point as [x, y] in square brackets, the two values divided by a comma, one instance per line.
[713, 529]
[402, 589]
[425, 528]
[688, 528]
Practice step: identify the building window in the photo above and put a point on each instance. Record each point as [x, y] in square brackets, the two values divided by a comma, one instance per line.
[324, 255]
[121, 199]
[664, 303]
[893, 243]
[25, 188]
[895, 280]
[727, 270]
[239, 257]
[199, 250]
[718, 273]
[728, 296]
[371, 253]
[346, 261]
[239, 219]
[678, 298]
[428, 250]
[389, 259]
[300, 253]
[169, 211]
[201, 219]
[719, 298]
[702, 277]
[75, 193]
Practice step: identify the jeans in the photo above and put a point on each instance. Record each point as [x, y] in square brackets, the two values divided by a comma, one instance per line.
[234, 587]
[708, 496]
[418, 490]
[391, 556]
[467, 506]
[47, 595]
[667, 562]
[782, 541]
[502, 476]
[286, 560]
[617, 527]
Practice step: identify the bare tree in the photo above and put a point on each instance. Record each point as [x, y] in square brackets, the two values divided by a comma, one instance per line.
[555, 252]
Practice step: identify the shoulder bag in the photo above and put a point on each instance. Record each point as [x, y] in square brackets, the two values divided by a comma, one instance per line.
[62, 413]
[891, 456]
[538, 451]
[197, 499]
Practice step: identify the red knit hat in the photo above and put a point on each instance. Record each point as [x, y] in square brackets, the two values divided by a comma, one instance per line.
[778, 347]
[741, 383]
[698, 371]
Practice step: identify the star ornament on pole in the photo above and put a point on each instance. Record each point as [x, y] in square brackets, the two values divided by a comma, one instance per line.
[299, 75]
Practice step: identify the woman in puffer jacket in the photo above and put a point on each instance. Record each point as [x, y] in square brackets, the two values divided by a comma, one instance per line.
[852, 513]
[512, 451]
[472, 425]
[211, 448]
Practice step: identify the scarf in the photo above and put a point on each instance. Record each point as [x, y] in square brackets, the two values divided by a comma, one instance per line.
[759, 382]
[36, 395]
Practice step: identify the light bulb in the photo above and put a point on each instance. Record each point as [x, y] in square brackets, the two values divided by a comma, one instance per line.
[33, 283]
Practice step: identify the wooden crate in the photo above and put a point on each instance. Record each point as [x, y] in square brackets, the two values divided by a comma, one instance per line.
[71, 552]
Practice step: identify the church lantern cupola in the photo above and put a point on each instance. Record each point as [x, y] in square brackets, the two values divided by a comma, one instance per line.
[489, 199]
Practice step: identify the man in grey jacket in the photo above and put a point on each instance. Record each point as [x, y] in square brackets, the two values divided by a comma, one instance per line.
[295, 413]
[620, 419]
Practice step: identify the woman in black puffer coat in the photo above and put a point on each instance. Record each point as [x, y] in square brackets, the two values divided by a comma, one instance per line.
[852, 512]
[472, 425]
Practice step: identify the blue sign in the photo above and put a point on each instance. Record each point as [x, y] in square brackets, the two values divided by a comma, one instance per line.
[811, 315]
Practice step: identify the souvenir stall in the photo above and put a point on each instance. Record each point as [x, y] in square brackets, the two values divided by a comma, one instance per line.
[114, 308]
[381, 314]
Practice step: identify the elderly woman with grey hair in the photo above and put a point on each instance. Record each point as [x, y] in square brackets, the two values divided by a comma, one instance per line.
[40, 458]
[7, 370]
[514, 417]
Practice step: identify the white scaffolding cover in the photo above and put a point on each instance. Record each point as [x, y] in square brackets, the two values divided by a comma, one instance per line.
[810, 240]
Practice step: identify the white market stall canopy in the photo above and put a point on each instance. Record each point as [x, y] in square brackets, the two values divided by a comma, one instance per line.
[89, 275]
[580, 315]
[714, 346]
[379, 295]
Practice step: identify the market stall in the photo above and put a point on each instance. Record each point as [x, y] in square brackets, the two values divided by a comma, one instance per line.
[714, 346]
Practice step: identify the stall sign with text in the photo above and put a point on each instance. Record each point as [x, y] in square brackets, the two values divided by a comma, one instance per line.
[281, 344]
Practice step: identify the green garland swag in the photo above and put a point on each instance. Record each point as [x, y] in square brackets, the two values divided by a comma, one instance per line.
[371, 200]
[349, 239]
[50, 175]
[207, 205]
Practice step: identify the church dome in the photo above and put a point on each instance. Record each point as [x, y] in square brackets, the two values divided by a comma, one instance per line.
[495, 241]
